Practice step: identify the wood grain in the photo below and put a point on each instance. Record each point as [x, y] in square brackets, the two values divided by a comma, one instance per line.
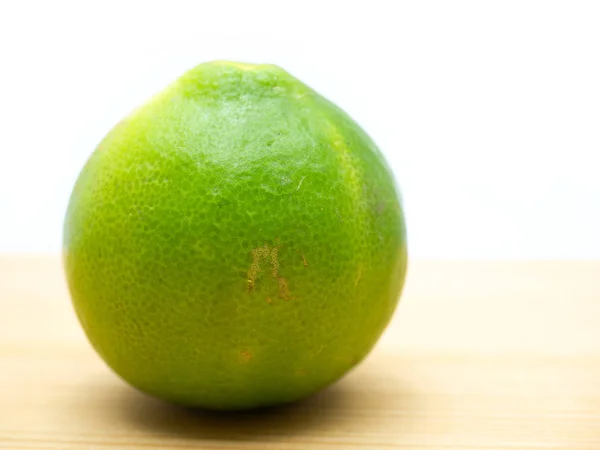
[480, 355]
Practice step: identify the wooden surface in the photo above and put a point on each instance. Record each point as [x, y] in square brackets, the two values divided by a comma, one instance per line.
[488, 355]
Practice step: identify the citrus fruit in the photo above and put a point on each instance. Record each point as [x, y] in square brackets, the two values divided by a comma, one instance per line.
[238, 241]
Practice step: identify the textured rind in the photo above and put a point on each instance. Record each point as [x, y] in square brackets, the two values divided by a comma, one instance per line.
[236, 242]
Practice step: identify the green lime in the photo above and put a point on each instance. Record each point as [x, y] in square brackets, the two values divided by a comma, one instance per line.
[238, 241]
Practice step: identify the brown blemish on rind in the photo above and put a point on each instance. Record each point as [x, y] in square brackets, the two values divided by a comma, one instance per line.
[270, 255]
[284, 289]
[257, 254]
[245, 356]
[358, 275]
[304, 261]
[274, 263]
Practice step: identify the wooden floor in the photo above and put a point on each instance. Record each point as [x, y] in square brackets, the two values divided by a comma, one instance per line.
[490, 355]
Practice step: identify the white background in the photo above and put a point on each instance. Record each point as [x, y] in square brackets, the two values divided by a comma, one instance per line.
[488, 111]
